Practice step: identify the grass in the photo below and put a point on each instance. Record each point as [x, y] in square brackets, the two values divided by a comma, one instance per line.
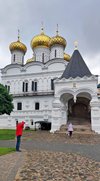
[7, 134]
[4, 151]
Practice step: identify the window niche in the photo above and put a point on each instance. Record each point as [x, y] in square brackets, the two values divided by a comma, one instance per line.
[52, 84]
[25, 86]
[37, 106]
[7, 87]
[43, 57]
[55, 53]
[19, 106]
[14, 57]
[34, 86]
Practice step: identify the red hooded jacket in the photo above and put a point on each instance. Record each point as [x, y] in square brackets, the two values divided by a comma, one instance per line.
[19, 128]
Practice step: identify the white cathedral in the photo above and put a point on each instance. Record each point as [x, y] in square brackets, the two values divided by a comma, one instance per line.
[51, 86]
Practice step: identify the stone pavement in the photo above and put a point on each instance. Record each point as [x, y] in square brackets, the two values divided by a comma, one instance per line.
[9, 165]
[58, 166]
[56, 157]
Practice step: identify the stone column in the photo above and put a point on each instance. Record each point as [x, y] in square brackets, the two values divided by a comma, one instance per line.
[95, 115]
[64, 114]
[56, 116]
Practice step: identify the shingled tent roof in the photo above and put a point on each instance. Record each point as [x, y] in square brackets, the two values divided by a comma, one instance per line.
[76, 67]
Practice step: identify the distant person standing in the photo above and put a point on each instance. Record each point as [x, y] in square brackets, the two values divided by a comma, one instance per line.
[19, 130]
[70, 129]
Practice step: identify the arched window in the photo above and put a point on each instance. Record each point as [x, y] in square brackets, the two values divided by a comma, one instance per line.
[52, 84]
[37, 106]
[14, 57]
[55, 53]
[25, 86]
[43, 57]
[23, 59]
[34, 86]
[19, 106]
[7, 87]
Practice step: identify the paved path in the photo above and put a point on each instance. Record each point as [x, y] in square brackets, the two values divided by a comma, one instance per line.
[91, 151]
[48, 155]
[9, 165]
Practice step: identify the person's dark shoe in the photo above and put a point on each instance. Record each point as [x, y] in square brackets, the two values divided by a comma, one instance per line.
[18, 150]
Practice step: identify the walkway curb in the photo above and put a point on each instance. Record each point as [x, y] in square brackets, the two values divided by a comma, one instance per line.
[17, 177]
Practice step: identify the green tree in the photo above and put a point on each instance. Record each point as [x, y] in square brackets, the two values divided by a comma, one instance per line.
[6, 105]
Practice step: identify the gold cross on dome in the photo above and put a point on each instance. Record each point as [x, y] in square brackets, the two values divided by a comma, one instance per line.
[76, 45]
[57, 31]
[42, 27]
[18, 35]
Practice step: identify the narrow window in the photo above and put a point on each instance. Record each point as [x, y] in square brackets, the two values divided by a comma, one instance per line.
[19, 106]
[7, 87]
[35, 86]
[52, 84]
[32, 85]
[37, 106]
[14, 58]
[55, 53]
[25, 87]
[22, 59]
[43, 57]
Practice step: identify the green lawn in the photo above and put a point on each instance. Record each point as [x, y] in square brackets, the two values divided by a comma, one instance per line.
[7, 134]
[4, 151]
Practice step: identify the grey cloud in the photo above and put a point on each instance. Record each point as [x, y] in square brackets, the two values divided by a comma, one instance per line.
[78, 20]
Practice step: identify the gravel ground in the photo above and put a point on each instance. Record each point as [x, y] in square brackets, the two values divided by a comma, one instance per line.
[52, 157]
[55, 157]
[58, 166]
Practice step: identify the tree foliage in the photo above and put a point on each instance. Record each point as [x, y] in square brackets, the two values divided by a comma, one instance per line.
[6, 105]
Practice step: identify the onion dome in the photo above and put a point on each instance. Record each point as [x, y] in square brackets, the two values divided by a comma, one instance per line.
[18, 45]
[57, 40]
[40, 40]
[67, 57]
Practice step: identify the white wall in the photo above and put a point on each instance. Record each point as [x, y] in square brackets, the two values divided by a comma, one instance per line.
[59, 51]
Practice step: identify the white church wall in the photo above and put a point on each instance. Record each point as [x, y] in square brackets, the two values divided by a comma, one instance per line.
[43, 81]
[59, 52]
[56, 67]
[38, 52]
[77, 83]
[33, 69]
[13, 71]
[28, 112]
[19, 57]
[95, 115]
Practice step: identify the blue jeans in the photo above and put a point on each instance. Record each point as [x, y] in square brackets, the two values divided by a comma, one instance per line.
[18, 142]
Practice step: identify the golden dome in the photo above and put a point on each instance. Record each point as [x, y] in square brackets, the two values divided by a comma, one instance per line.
[30, 60]
[57, 40]
[40, 40]
[18, 46]
[67, 57]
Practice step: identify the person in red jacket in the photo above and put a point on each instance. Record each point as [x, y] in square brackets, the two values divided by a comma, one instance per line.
[19, 131]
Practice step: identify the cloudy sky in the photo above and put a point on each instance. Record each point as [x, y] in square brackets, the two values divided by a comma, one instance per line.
[78, 20]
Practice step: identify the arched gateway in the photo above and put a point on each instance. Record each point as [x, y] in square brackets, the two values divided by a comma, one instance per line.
[77, 106]
[75, 96]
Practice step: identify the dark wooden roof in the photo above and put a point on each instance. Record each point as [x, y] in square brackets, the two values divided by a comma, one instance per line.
[76, 67]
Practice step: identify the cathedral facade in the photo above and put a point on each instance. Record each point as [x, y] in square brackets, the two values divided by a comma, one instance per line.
[51, 86]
